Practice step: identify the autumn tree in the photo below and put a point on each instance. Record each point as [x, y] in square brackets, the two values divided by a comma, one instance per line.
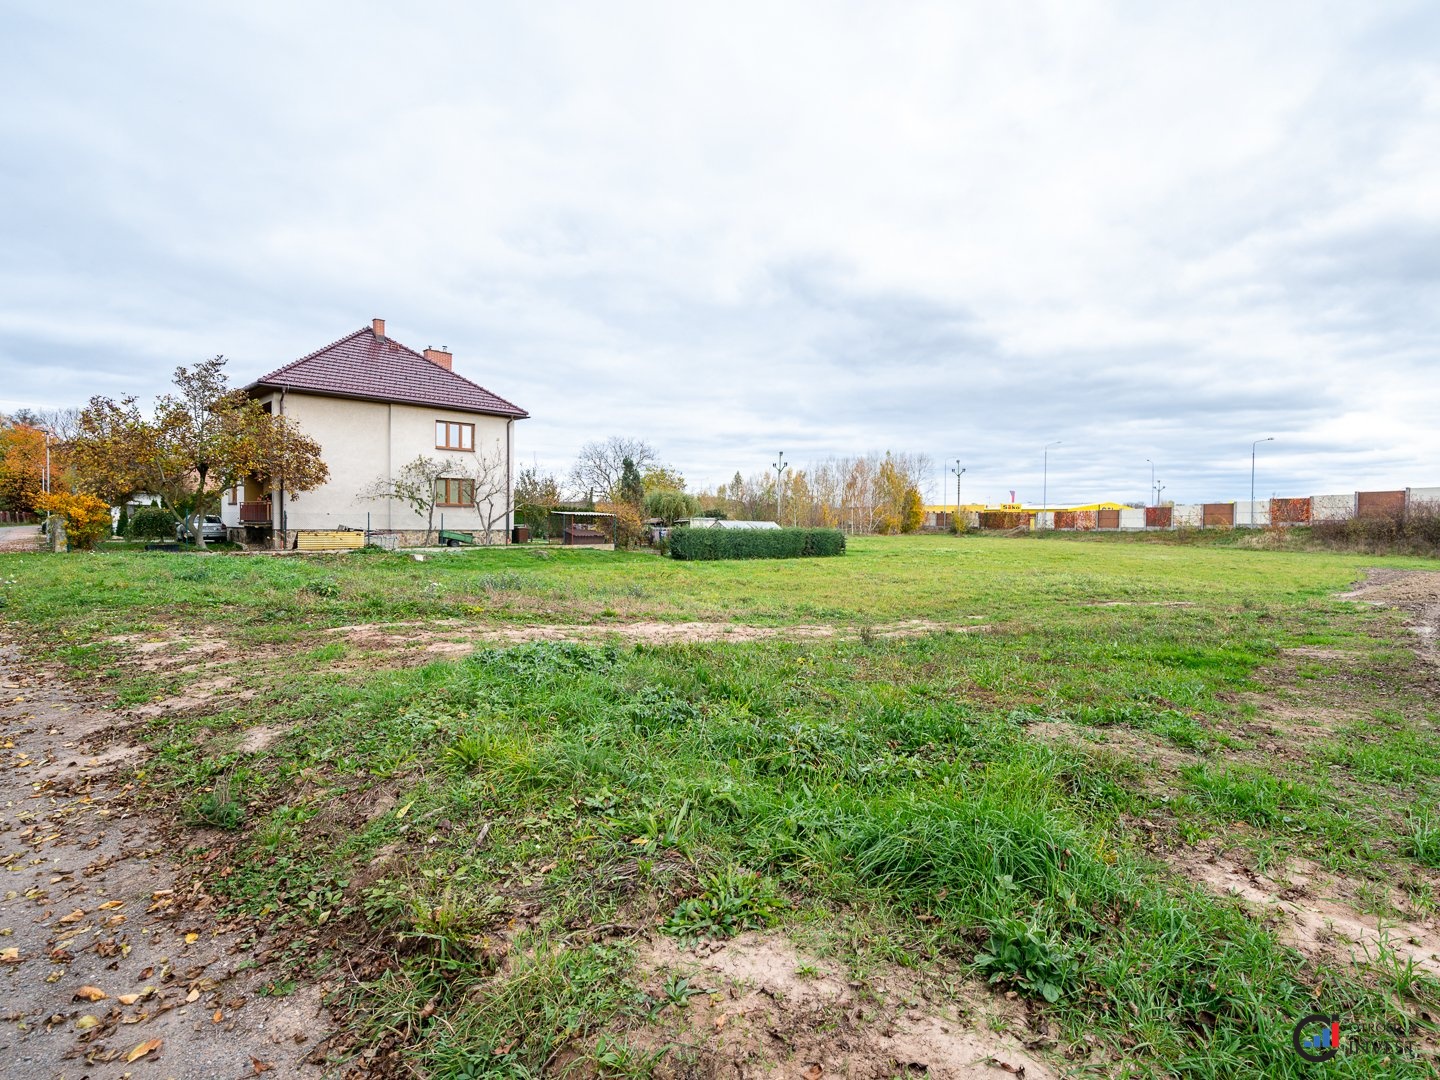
[912, 511]
[662, 478]
[536, 494]
[22, 467]
[200, 441]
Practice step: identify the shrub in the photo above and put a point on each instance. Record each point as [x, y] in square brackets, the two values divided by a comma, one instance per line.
[87, 518]
[1028, 957]
[1415, 529]
[755, 543]
[629, 526]
[152, 523]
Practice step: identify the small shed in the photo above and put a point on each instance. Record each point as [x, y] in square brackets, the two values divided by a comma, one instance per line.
[583, 528]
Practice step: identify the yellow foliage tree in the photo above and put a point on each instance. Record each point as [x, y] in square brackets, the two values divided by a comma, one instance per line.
[87, 517]
[912, 513]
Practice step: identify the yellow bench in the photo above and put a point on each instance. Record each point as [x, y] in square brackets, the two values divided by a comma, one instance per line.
[328, 539]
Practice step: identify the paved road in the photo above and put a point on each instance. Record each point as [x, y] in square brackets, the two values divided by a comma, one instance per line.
[19, 537]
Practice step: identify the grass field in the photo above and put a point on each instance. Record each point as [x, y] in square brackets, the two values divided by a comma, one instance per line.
[1033, 766]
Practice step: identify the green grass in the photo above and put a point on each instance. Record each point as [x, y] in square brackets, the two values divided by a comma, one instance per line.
[891, 799]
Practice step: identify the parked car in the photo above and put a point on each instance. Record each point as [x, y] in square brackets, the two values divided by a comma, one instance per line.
[213, 530]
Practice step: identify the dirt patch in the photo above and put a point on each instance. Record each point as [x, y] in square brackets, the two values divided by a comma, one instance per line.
[1416, 591]
[1312, 914]
[259, 738]
[1140, 745]
[767, 1010]
[449, 638]
[105, 948]
[1397, 588]
[1311, 652]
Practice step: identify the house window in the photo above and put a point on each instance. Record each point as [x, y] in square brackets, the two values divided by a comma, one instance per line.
[452, 436]
[235, 494]
[450, 492]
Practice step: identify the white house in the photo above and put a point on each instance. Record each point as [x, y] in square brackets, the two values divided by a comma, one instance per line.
[374, 406]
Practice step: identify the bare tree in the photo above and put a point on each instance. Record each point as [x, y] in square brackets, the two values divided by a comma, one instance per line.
[599, 465]
[489, 479]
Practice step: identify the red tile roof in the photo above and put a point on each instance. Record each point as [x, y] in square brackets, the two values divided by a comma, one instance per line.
[379, 369]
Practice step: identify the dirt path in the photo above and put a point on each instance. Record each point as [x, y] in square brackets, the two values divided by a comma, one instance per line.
[19, 537]
[1415, 591]
[109, 966]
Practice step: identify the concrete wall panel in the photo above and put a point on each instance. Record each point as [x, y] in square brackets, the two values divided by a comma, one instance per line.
[1332, 507]
[1188, 515]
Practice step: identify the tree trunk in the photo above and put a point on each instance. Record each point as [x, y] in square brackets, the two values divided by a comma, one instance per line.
[200, 510]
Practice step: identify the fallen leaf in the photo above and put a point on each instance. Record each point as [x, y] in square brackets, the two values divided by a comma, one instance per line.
[109, 904]
[149, 1046]
[127, 999]
[721, 1020]
[190, 939]
[814, 1072]
[9, 956]
[404, 809]
[87, 1022]
[192, 996]
[217, 1017]
[260, 1066]
[90, 993]
[74, 916]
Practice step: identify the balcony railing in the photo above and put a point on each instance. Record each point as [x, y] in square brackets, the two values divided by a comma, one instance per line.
[255, 513]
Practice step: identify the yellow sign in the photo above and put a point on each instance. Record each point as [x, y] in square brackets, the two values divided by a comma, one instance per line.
[1012, 506]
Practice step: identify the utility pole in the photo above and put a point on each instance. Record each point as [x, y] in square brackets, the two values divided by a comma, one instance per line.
[959, 472]
[779, 468]
[1045, 482]
[1153, 497]
[1253, 445]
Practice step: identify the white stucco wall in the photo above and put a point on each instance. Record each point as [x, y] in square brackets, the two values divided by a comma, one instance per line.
[365, 441]
[1130, 518]
[1425, 495]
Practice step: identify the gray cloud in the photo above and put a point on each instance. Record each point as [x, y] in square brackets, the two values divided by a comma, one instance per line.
[1151, 234]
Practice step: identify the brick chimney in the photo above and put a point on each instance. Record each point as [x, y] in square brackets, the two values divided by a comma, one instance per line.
[438, 356]
[378, 325]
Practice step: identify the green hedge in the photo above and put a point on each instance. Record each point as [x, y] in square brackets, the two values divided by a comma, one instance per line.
[711, 543]
[152, 523]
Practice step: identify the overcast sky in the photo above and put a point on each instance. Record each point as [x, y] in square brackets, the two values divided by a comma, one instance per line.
[1148, 231]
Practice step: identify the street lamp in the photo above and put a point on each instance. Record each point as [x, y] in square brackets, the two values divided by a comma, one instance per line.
[1253, 445]
[959, 472]
[779, 468]
[1045, 482]
[1153, 497]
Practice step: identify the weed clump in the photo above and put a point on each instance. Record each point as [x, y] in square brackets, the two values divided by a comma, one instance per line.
[1029, 958]
[217, 808]
[732, 901]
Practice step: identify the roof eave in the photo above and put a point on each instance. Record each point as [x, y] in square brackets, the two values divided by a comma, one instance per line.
[260, 385]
